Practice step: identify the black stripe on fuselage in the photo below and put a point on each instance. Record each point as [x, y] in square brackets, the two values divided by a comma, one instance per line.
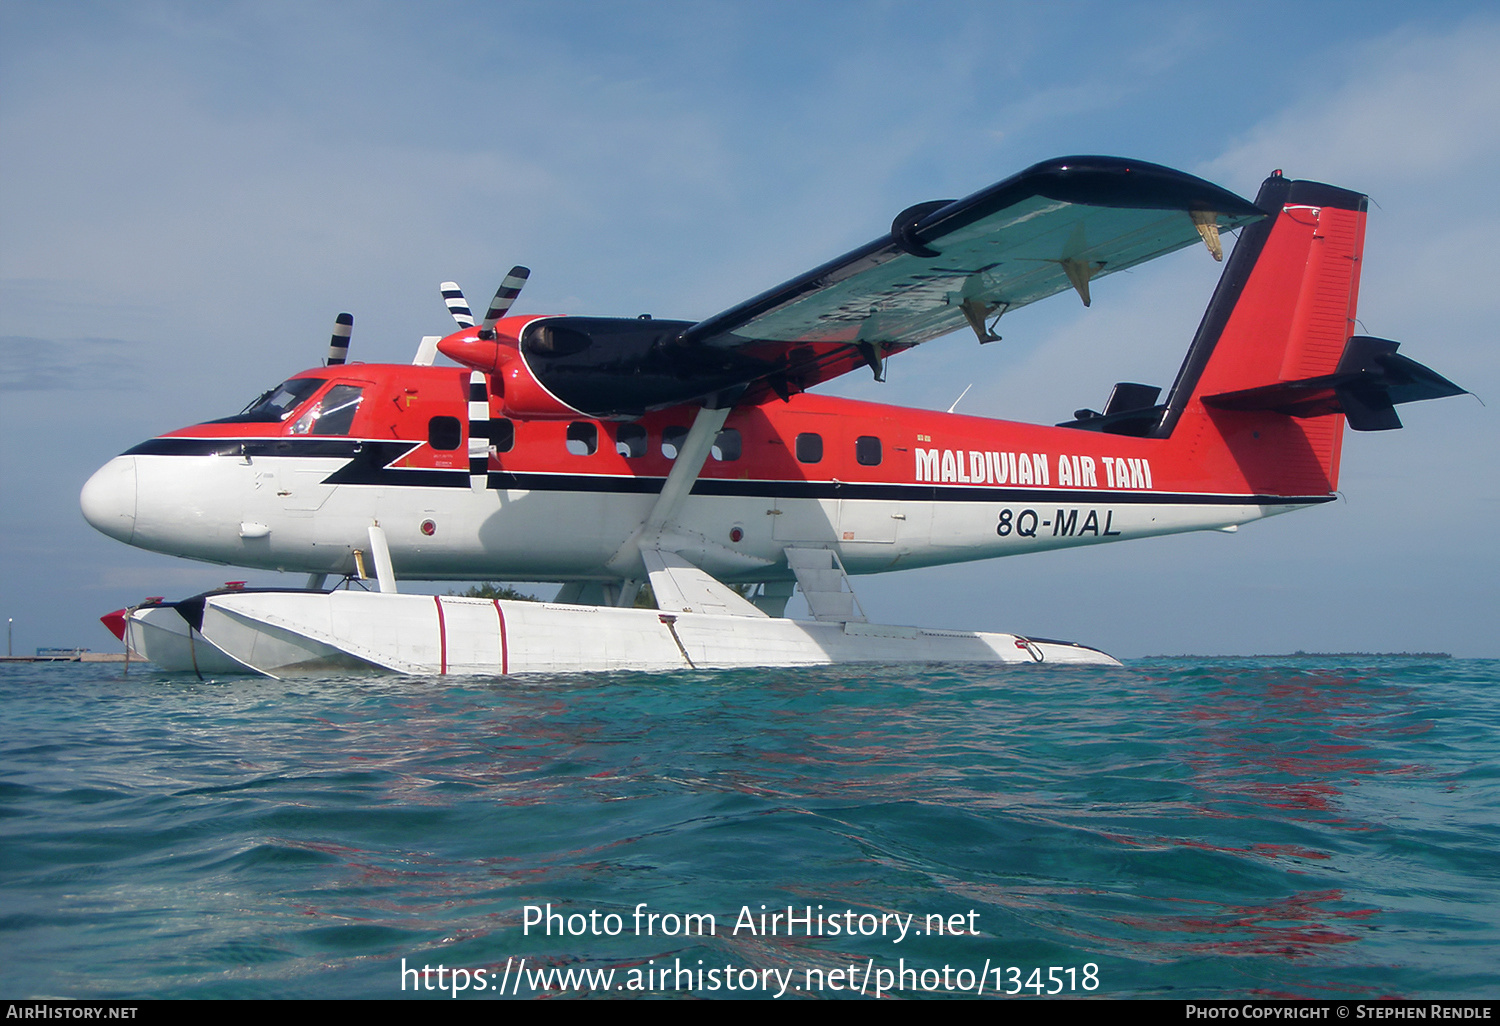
[369, 459]
[345, 447]
[369, 464]
[887, 492]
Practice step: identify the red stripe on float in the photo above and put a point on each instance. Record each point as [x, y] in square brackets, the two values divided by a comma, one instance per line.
[442, 636]
[504, 645]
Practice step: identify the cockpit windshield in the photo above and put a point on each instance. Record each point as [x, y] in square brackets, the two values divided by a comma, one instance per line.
[275, 405]
[331, 415]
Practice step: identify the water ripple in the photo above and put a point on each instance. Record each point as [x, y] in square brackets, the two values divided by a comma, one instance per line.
[1195, 828]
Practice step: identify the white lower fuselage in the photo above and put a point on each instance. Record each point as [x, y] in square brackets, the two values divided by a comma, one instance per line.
[275, 513]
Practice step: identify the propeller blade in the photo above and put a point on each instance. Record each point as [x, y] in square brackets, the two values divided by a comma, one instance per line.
[338, 346]
[458, 306]
[505, 295]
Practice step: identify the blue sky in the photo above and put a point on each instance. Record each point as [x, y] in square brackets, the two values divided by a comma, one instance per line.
[190, 192]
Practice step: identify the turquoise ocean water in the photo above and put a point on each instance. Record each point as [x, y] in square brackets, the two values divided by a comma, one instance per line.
[1177, 828]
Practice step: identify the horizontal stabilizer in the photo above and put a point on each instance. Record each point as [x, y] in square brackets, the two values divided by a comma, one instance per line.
[1371, 379]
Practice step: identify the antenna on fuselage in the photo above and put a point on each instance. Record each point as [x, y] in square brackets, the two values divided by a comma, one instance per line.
[960, 397]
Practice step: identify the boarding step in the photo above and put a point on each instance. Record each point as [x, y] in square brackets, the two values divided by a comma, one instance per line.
[825, 585]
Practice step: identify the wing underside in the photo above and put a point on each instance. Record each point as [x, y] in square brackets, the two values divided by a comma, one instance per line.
[943, 266]
[1056, 226]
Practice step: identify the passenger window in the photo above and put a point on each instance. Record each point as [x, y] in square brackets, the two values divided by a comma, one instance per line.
[630, 441]
[671, 441]
[331, 415]
[727, 446]
[809, 447]
[502, 434]
[444, 433]
[867, 451]
[583, 438]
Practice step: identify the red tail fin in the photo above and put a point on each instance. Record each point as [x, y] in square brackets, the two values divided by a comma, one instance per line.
[1283, 312]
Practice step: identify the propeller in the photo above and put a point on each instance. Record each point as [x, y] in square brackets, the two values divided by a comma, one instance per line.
[505, 295]
[338, 346]
[458, 306]
[479, 400]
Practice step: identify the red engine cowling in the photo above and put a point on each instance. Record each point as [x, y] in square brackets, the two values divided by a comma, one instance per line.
[512, 384]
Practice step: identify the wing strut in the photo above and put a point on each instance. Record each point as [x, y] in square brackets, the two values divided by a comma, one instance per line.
[685, 471]
[677, 584]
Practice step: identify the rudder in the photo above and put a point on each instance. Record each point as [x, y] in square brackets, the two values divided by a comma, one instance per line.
[1283, 312]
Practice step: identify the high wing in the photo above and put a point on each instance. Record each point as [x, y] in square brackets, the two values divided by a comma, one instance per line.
[947, 264]
[943, 265]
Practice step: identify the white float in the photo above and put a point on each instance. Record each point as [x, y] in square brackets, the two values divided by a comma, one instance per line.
[299, 633]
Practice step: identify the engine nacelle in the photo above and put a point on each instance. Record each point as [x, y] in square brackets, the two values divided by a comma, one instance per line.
[602, 367]
[512, 384]
[522, 397]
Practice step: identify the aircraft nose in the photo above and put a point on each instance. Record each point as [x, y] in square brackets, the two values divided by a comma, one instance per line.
[108, 498]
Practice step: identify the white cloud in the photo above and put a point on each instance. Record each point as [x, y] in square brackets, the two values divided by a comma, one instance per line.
[1414, 107]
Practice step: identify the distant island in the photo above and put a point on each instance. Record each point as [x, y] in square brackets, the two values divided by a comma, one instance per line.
[1299, 654]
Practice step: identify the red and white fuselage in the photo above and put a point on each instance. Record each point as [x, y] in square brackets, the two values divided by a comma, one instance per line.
[606, 452]
[890, 488]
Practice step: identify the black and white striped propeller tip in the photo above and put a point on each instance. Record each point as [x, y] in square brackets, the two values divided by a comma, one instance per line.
[338, 345]
[458, 306]
[505, 295]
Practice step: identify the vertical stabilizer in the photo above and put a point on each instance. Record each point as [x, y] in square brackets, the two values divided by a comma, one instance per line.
[1282, 312]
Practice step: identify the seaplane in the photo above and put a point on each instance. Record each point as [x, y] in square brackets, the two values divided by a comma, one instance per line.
[608, 453]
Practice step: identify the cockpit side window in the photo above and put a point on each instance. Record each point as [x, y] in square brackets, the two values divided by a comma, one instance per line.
[277, 404]
[333, 414]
